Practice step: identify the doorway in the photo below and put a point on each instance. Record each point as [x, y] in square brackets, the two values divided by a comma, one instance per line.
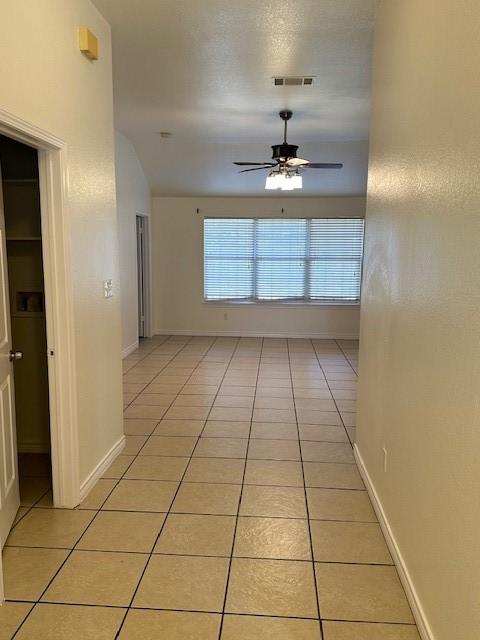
[26, 382]
[143, 271]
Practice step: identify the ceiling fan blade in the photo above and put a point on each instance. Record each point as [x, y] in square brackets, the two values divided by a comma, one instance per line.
[296, 162]
[257, 168]
[252, 164]
[323, 165]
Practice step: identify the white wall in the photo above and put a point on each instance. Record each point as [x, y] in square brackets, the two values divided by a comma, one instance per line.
[133, 197]
[47, 81]
[419, 390]
[177, 241]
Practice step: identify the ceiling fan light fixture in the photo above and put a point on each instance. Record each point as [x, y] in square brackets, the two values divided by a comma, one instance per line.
[297, 181]
[272, 181]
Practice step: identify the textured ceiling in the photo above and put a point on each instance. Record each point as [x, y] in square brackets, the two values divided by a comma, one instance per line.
[202, 69]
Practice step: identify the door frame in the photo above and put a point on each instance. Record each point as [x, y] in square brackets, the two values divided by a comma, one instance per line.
[147, 269]
[59, 305]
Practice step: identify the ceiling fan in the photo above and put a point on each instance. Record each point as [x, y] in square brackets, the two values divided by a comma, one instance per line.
[284, 170]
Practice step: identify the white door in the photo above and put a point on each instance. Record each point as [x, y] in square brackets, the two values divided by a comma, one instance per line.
[9, 488]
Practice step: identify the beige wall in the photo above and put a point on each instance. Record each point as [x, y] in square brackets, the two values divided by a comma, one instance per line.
[177, 247]
[133, 197]
[48, 82]
[420, 324]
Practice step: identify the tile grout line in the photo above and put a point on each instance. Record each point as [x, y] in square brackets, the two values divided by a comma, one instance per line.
[171, 502]
[227, 582]
[67, 557]
[314, 575]
[329, 388]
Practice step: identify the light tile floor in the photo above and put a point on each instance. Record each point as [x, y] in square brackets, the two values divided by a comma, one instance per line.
[235, 512]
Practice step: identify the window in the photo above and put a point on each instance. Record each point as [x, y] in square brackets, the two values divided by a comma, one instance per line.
[296, 259]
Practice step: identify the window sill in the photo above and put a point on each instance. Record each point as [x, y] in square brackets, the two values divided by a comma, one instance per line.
[285, 303]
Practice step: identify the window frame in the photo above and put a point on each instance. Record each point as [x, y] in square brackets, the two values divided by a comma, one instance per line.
[303, 301]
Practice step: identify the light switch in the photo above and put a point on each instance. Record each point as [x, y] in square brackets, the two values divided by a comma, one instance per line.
[108, 288]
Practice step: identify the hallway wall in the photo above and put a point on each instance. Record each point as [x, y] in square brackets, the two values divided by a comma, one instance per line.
[420, 322]
[177, 247]
[133, 197]
[46, 81]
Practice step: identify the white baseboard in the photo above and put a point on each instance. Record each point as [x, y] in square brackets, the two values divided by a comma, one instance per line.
[418, 612]
[258, 334]
[130, 349]
[101, 467]
[33, 447]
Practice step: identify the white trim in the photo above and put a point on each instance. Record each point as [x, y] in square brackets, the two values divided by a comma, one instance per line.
[88, 484]
[324, 335]
[59, 305]
[413, 598]
[130, 349]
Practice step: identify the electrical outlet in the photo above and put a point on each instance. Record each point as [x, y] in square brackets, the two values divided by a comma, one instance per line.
[107, 288]
[385, 455]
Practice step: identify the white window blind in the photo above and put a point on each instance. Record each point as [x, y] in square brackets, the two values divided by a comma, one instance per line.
[262, 259]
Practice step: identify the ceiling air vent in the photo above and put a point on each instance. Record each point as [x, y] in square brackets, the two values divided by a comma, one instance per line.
[294, 81]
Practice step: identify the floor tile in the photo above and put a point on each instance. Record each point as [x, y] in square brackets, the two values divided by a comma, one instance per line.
[273, 392]
[137, 427]
[145, 412]
[226, 429]
[274, 450]
[118, 466]
[169, 446]
[237, 627]
[183, 582]
[12, 615]
[274, 415]
[187, 413]
[221, 448]
[309, 416]
[197, 535]
[52, 528]
[194, 400]
[274, 472]
[171, 625]
[280, 502]
[63, 622]
[239, 402]
[141, 495]
[367, 631]
[322, 433]
[351, 542]
[157, 468]
[27, 571]
[278, 538]
[316, 404]
[133, 444]
[96, 577]
[98, 494]
[229, 470]
[179, 428]
[340, 504]
[332, 475]
[268, 402]
[233, 390]
[214, 499]
[327, 452]
[272, 587]
[230, 413]
[274, 431]
[361, 593]
[122, 531]
[155, 399]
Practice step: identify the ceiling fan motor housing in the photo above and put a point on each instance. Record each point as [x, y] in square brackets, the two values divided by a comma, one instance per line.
[283, 152]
